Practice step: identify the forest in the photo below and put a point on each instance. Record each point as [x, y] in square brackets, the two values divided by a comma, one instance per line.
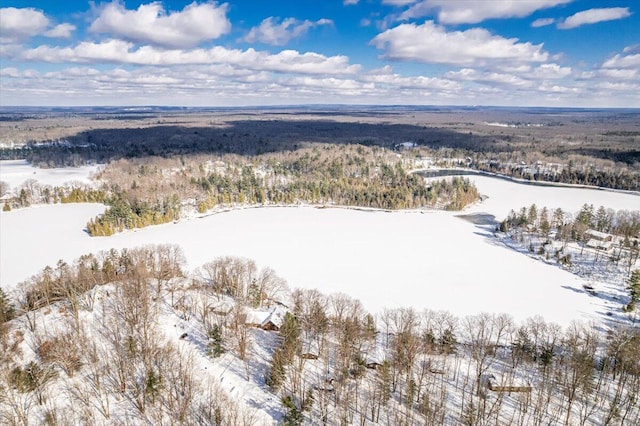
[132, 337]
[593, 147]
[151, 191]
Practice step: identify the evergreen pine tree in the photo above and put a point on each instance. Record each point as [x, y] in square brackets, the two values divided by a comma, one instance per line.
[7, 311]
[633, 285]
[215, 347]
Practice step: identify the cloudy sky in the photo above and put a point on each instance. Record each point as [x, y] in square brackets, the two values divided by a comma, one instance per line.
[273, 52]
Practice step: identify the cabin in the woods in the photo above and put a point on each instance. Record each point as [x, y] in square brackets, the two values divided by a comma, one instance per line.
[270, 320]
[512, 385]
[598, 240]
[310, 348]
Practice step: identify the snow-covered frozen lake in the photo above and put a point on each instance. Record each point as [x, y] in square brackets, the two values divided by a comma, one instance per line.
[425, 260]
[17, 172]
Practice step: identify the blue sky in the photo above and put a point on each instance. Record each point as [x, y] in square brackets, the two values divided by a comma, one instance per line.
[281, 52]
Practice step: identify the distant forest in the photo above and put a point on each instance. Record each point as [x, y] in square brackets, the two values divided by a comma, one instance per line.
[609, 160]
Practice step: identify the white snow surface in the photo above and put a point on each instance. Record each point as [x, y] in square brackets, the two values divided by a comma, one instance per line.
[504, 195]
[430, 259]
[17, 172]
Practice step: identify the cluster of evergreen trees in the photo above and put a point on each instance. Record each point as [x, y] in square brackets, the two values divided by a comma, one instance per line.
[350, 182]
[124, 214]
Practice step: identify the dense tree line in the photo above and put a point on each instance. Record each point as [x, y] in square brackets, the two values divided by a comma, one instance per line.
[354, 182]
[140, 193]
[154, 191]
[623, 223]
[610, 177]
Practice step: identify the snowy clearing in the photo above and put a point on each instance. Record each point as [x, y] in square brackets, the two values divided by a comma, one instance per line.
[17, 172]
[421, 259]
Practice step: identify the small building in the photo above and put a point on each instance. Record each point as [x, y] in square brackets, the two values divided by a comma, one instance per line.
[325, 386]
[599, 244]
[310, 349]
[222, 308]
[592, 234]
[405, 145]
[496, 385]
[267, 320]
[374, 354]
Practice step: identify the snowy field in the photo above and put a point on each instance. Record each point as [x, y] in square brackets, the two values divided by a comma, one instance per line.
[16, 172]
[425, 260]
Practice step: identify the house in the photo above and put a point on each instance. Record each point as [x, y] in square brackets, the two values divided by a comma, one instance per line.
[498, 386]
[599, 244]
[598, 240]
[325, 386]
[405, 145]
[592, 234]
[222, 308]
[267, 320]
[374, 354]
[310, 349]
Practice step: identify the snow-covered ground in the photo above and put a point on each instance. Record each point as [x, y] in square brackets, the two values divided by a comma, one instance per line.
[421, 259]
[504, 195]
[16, 172]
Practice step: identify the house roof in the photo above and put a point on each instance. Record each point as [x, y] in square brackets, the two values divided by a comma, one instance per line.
[310, 346]
[274, 316]
[604, 245]
[597, 234]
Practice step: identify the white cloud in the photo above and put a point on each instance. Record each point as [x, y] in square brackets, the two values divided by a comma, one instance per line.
[13, 72]
[275, 33]
[225, 84]
[632, 49]
[61, 31]
[517, 78]
[9, 50]
[20, 24]
[624, 66]
[490, 78]
[542, 22]
[10, 72]
[550, 72]
[385, 76]
[398, 2]
[350, 2]
[151, 24]
[557, 89]
[593, 16]
[119, 51]
[474, 11]
[620, 74]
[431, 43]
[623, 61]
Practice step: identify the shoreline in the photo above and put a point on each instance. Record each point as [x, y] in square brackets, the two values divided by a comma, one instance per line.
[458, 171]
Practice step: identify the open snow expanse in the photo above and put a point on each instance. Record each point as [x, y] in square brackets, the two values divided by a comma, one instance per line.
[17, 172]
[425, 260]
[505, 195]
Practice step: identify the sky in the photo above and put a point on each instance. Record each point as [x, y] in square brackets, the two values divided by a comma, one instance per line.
[556, 53]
